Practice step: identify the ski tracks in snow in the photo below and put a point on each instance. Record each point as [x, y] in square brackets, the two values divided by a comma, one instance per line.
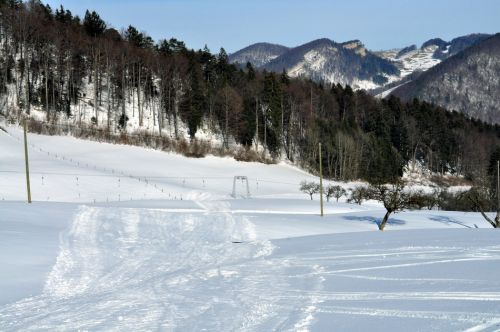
[157, 270]
[151, 269]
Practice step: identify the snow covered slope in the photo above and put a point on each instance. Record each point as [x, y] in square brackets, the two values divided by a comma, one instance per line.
[66, 169]
[467, 82]
[193, 258]
[324, 60]
[413, 61]
[418, 59]
[258, 54]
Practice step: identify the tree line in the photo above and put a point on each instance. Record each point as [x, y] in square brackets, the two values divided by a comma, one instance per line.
[55, 61]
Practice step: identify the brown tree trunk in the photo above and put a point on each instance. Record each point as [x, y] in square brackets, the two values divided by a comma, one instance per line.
[108, 78]
[47, 88]
[139, 106]
[256, 124]
[384, 221]
[226, 127]
[124, 98]
[96, 81]
[494, 224]
[176, 111]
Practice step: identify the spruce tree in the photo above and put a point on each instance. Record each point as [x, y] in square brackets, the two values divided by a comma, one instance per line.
[93, 24]
[194, 103]
[272, 99]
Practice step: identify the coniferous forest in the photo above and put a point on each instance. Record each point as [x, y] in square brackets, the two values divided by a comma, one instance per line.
[52, 61]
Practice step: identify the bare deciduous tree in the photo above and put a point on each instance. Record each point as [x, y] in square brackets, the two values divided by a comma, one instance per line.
[392, 196]
[335, 191]
[309, 188]
[482, 199]
[358, 195]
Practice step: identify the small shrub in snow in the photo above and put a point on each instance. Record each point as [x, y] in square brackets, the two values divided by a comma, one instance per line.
[358, 195]
[334, 191]
[198, 149]
[450, 201]
[420, 200]
[247, 155]
[309, 188]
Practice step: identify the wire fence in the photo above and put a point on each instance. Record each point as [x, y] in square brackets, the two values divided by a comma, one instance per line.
[87, 182]
[173, 141]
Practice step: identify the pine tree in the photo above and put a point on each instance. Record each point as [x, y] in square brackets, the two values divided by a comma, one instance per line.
[250, 71]
[194, 103]
[272, 118]
[93, 24]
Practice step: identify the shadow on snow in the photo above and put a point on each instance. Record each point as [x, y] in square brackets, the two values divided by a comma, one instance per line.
[377, 221]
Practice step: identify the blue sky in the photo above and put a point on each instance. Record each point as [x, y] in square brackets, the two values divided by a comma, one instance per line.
[234, 24]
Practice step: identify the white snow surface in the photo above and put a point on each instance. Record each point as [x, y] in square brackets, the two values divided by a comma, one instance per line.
[421, 59]
[121, 238]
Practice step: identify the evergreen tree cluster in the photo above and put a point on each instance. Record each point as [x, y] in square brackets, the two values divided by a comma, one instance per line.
[49, 57]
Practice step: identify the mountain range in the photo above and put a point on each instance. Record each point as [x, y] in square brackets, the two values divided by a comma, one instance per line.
[405, 72]
[468, 82]
[322, 60]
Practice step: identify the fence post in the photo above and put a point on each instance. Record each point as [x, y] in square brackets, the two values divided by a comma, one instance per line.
[320, 180]
[26, 159]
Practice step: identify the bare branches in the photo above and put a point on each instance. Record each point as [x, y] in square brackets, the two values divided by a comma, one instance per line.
[309, 188]
[392, 196]
[334, 191]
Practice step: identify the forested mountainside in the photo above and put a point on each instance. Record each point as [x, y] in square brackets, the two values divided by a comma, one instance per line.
[412, 61]
[60, 69]
[322, 60]
[467, 82]
[258, 54]
[457, 45]
[442, 49]
[351, 63]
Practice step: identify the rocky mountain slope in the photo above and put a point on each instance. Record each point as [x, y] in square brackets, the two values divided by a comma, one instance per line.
[258, 54]
[412, 59]
[467, 82]
[323, 60]
[351, 63]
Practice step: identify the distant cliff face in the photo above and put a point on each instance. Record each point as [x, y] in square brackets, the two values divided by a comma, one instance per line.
[468, 82]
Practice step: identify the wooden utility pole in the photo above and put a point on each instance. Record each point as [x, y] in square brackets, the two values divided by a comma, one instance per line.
[498, 185]
[27, 162]
[320, 181]
[257, 125]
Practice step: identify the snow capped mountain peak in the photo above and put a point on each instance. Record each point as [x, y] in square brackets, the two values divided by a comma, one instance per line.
[350, 62]
[258, 54]
[322, 60]
[467, 82]
[411, 59]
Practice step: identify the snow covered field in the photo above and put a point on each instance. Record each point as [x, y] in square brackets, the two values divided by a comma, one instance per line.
[123, 238]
